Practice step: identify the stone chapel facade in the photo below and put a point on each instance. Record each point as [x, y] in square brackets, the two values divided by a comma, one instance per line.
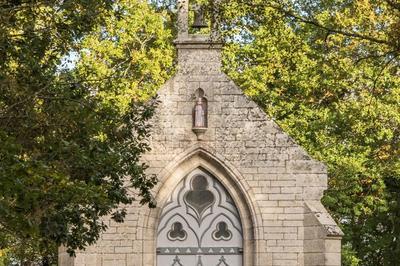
[233, 189]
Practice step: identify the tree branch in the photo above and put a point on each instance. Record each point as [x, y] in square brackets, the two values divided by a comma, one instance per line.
[315, 23]
[393, 4]
[332, 30]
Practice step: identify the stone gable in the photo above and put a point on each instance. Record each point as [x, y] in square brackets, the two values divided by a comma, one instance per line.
[237, 129]
[274, 184]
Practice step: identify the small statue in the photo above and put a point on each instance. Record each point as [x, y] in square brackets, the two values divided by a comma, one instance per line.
[199, 114]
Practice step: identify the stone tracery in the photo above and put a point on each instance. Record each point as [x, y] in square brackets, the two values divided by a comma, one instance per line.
[201, 212]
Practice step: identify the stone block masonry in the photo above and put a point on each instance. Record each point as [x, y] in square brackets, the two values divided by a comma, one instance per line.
[276, 186]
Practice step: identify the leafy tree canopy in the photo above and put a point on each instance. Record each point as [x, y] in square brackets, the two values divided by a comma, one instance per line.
[71, 132]
[328, 73]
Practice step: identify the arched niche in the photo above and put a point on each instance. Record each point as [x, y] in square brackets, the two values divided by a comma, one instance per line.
[200, 110]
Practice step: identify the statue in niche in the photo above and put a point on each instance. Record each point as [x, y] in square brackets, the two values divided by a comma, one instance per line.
[199, 114]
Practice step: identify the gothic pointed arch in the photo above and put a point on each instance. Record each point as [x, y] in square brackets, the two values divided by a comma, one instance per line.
[199, 224]
[204, 158]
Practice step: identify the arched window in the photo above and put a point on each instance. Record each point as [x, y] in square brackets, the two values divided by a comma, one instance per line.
[199, 225]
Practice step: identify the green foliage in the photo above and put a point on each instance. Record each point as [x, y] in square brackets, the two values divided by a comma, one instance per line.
[71, 137]
[3, 257]
[349, 257]
[132, 49]
[328, 73]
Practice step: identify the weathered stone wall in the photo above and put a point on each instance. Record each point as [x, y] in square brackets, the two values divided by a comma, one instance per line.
[270, 177]
[321, 236]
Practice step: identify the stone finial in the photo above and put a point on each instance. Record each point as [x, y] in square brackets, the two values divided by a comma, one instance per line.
[183, 18]
[215, 20]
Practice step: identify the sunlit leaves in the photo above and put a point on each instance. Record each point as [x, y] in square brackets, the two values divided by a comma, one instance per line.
[71, 137]
[337, 94]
